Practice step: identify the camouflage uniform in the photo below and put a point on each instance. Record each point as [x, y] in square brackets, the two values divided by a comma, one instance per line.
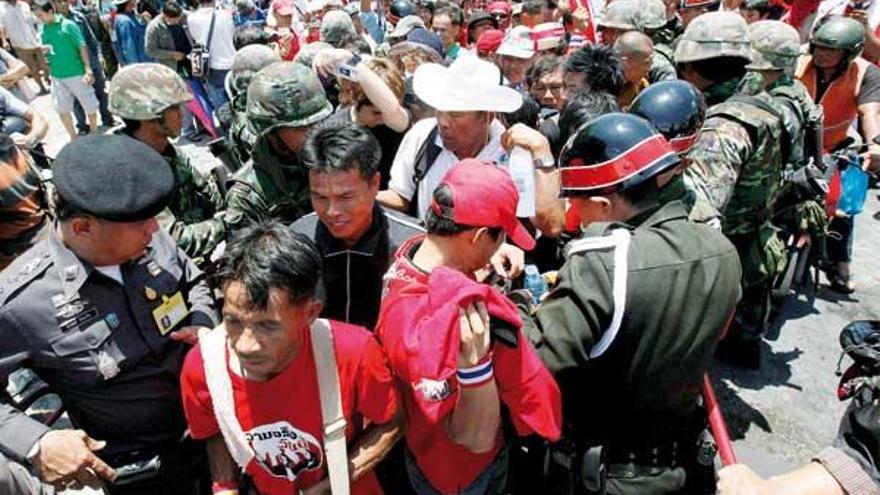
[248, 61]
[645, 16]
[193, 218]
[737, 165]
[284, 94]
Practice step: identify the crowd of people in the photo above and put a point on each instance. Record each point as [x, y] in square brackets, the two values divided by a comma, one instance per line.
[434, 234]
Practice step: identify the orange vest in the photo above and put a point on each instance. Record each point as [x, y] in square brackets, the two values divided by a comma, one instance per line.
[840, 101]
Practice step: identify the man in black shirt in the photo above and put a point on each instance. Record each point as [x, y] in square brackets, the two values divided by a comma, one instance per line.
[356, 237]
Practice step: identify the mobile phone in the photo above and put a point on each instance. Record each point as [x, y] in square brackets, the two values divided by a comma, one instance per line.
[347, 72]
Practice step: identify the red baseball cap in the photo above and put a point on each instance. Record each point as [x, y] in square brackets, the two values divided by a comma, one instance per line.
[489, 41]
[499, 7]
[484, 195]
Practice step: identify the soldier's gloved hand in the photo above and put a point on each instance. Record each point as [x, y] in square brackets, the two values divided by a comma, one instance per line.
[190, 335]
[475, 335]
[66, 457]
[740, 480]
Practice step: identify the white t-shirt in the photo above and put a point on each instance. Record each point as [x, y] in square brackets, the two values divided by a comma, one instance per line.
[222, 49]
[403, 168]
[20, 25]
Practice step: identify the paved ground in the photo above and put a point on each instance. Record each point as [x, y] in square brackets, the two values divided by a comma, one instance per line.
[782, 413]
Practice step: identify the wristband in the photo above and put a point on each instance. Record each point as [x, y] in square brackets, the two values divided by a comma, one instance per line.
[224, 488]
[476, 375]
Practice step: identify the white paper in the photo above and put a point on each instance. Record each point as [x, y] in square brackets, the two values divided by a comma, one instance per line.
[520, 166]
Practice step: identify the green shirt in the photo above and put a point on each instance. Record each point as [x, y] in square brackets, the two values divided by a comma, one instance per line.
[64, 39]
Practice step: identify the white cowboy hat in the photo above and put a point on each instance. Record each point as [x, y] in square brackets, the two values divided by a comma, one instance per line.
[468, 85]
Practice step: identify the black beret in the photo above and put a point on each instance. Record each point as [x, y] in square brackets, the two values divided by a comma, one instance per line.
[113, 177]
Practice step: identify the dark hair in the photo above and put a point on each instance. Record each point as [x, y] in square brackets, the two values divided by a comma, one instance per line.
[602, 69]
[542, 66]
[131, 126]
[582, 108]
[251, 35]
[65, 211]
[720, 69]
[46, 6]
[267, 256]
[534, 7]
[205, 2]
[172, 9]
[444, 227]
[642, 196]
[7, 147]
[340, 148]
[454, 12]
[527, 113]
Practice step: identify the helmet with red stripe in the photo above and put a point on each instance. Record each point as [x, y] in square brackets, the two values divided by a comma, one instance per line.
[611, 153]
[676, 109]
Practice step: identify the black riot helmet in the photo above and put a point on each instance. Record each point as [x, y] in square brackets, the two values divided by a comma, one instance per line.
[402, 8]
[613, 152]
[676, 109]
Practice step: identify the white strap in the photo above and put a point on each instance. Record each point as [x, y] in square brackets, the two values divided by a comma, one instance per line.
[619, 240]
[220, 387]
[331, 407]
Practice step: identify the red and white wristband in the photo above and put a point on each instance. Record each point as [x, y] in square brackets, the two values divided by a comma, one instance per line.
[475, 375]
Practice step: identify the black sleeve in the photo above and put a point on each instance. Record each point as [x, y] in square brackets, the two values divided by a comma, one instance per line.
[870, 90]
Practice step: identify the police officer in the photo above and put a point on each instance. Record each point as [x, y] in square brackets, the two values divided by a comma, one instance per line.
[148, 98]
[284, 102]
[677, 109]
[606, 331]
[736, 165]
[645, 16]
[97, 310]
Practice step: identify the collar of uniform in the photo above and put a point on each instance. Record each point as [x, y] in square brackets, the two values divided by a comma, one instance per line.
[366, 245]
[72, 270]
[672, 210]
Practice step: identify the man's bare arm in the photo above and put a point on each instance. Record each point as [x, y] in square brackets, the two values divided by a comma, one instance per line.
[391, 199]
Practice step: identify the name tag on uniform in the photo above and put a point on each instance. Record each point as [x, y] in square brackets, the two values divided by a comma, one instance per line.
[171, 312]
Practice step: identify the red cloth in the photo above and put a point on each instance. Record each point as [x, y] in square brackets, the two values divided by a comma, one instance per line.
[799, 11]
[489, 41]
[282, 416]
[589, 32]
[418, 326]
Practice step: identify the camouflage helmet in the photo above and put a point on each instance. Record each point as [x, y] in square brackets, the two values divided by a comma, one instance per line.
[144, 91]
[619, 14]
[775, 46]
[714, 35]
[842, 33]
[285, 94]
[650, 15]
[248, 61]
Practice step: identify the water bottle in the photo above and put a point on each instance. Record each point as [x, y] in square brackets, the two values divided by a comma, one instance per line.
[534, 283]
[854, 188]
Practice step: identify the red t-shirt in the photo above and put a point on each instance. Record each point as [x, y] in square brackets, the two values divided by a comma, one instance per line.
[524, 385]
[282, 417]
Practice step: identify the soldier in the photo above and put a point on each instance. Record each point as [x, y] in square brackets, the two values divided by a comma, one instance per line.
[736, 165]
[689, 10]
[97, 310]
[676, 109]
[606, 331]
[284, 101]
[247, 62]
[847, 86]
[645, 16]
[148, 98]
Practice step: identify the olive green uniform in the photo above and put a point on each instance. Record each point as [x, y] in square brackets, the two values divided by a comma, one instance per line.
[635, 329]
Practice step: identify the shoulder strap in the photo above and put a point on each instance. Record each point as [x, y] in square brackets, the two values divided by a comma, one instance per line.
[213, 347]
[331, 407]
[425, 158]
[618, 240]
[211, 31]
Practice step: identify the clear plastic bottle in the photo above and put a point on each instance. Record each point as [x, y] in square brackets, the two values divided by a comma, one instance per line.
[534, 282]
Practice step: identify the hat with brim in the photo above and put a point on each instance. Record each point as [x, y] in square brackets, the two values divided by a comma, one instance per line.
[405, 25]
[467, 85]
[517, 43]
